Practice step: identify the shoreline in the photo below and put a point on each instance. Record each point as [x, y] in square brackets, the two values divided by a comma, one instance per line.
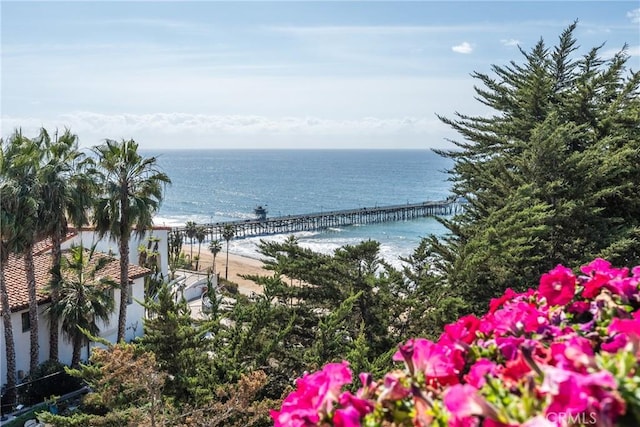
[238, 265]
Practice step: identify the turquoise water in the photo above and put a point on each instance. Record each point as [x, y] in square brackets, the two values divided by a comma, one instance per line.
[219, 185]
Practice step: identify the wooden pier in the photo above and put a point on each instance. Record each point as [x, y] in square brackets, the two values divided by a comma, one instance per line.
[324, 220]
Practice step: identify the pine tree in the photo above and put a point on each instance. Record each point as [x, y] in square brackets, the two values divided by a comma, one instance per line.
[548, 176]
[178, 344]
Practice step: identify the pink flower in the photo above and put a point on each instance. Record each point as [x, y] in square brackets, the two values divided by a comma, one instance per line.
[329, 383]
[540, 421]
[509, 346]
[625, 326]
[315, 394]
[524, 337]
[516, 369]
[422, 417]
[600, 379]
[598, 265]
[361, 405]
[623, 286]
[574, 393]
[487, 325]
[506, 321]
[567, 393]
[347, 417]
[613, 345]
[438, 363]
[298, 418]
[496, 303]
[579, 307]
[558, 286]
[463, 330]
[593, 285]
[604, 399]
[514, 318]
[464, 401]
[368, 386]
[393, 387]
[488, 422]
[479, 371]
[602, 275]
[575, 354]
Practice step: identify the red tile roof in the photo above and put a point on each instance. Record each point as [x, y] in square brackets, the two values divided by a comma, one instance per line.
[16, 279]
[45, 245]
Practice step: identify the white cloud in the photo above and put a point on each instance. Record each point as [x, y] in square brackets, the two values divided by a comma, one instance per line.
[387, 30]
[186, 27]
[225, 124]
[197, 130]
[631, 51]
[510, 42]
[634, 15]
[463, 47]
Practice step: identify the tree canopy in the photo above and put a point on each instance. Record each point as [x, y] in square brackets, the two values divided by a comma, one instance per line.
[549, 176]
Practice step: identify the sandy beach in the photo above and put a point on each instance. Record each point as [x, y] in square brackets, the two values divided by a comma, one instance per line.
[238, 265]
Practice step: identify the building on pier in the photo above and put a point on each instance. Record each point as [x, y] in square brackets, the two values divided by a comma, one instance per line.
[261, 213]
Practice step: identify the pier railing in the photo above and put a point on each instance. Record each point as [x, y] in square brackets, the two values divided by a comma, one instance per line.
[323, 220]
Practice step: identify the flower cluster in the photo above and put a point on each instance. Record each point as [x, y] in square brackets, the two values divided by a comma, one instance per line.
[566, 354]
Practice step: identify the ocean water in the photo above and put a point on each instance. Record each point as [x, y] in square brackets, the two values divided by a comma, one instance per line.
[221, 185]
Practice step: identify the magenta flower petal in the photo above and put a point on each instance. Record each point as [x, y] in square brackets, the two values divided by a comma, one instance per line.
[558, 286]
[463, 400]
[347, 417]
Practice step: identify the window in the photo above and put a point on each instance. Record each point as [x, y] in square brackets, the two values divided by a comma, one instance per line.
[26, 322]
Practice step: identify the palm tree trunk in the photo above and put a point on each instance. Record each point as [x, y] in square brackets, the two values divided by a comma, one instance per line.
[77, 348]
[226, 271]
[34, 354]
[124, 285]
[56, 256]
[9, 344]
[125, 233]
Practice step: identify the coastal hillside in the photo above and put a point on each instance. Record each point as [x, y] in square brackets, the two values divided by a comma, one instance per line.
[521, 309]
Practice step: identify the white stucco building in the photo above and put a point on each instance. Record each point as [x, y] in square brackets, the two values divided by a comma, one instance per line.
[16, 283]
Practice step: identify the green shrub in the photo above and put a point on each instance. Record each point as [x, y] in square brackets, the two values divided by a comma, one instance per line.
[60, 421]
[47, 380]
[132, 417]
[92, 404]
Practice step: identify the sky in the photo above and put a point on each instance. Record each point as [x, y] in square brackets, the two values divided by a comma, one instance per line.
[289, 74]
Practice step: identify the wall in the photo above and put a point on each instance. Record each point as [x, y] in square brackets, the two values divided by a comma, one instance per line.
[23, 343]
[89, 237]
[134, 328]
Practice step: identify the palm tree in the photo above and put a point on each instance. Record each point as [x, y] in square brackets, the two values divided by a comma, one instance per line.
[68, 187]
[21, 159]
[7, 233]
[201, 234]
[227, 234]
[215, 247]
[131, 193]
[10, 349]
[190, 231]
[84, 297]
[175, 250]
